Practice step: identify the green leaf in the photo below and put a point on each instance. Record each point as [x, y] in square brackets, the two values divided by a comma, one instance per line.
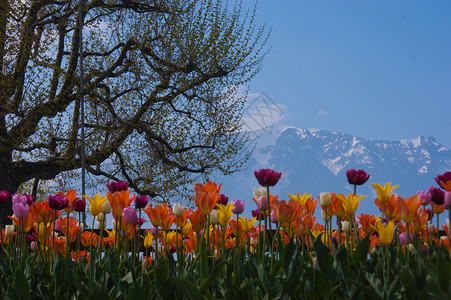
[443, 269]
[20, 284]
[140, 290]
[361, 253]
[75, 283]
[211, 278]
[323, 256]
[189, 287]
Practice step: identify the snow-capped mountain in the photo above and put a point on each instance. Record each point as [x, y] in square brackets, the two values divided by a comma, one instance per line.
[315, 161]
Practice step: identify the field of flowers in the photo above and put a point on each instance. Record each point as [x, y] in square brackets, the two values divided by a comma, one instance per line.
[211, 251]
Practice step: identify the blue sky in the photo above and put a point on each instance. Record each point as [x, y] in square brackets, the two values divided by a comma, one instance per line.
[376, 69]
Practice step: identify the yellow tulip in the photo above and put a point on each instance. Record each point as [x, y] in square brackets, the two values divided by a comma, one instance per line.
[248, 225]
[351, 203]
[148, 238]
[224, 213]
[96, 204]
[383, 194]
[301, 199]
[386, 232]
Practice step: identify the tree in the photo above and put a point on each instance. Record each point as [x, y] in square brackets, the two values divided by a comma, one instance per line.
[161, 83]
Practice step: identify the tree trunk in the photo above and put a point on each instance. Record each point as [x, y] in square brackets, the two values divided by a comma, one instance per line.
[8, 183]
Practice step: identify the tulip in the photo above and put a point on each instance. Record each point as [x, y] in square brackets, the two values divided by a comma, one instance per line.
[100, 217]
[106, 207]
[117, 186]
[437, 195]
[9, 230]
[21, 210]
[407, 208]
[325, 200]
[267, 177]
[58, 202]
[258, 192]
[447, 200]
[223, 199]
[30, 199]
[130, 215]
[262, 203]
[444, 181]
[351, 203]
[4, 196]
[301, 199]
[224, 214]
[256, 214]
[386, 232]
[96, 204]
[79, 205]
[238, 206]
[425, 197]
[358, 177]
[19, 198]
[141, 201]
[383, 194]
[214, 217]
[148, 239]
[178, 210]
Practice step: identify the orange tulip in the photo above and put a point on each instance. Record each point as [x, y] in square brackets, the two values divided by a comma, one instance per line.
[309, 207]
[336, 208]
[71, 195]
[42, 213]
[437, 208]
[167, 220]
[286, 212]
[407, 208]
[306, 224]
[197, 220]
[28, 222]
[181, 221]
[119, 201]
[156, 213]
[206, 196]
[367, 222]
[419, 221]
[85, 239]
[74, 228]
[388, 208]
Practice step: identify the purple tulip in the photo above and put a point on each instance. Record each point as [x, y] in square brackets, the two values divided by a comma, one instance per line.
[238, 206]
[262, 203]
[358, 177]
[30, 199]
[4, 195]
[425, 197]
[79, 205]
[223, 199]
[58, 202]
[402, 238]
[153, 230]
[430, 213]
[117, 186]
[267, 177]
[273, 218]
[20, 210]
[256, 213]
[129, 215]
[141, 221]
[443, 179]
[141, 201]
[447, 200]
[19, 198]
[437, 195]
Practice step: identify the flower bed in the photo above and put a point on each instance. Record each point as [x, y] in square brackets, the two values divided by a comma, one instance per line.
[211, 251]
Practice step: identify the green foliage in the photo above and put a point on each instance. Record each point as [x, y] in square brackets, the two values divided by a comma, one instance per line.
[291, 274]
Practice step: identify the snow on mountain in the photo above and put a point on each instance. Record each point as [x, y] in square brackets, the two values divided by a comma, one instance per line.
[316, 161]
